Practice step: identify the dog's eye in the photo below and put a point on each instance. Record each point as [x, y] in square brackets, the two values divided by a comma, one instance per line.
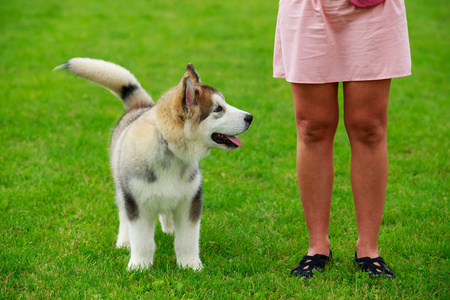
[218, 109]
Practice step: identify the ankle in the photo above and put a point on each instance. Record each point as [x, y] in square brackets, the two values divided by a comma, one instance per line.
[362, 251]
[322, 248]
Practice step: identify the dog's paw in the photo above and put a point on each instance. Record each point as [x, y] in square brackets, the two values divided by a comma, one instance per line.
[136, 266]
[123, 243]
[167, 224]
[195, 265]
[168, 230]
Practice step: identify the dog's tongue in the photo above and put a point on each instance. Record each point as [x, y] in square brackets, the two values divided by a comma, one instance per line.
[235, 140]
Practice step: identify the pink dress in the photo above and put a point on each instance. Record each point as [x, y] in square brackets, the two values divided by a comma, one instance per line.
[319, 41]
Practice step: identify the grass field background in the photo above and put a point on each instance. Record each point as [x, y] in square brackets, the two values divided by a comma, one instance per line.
[58, 220]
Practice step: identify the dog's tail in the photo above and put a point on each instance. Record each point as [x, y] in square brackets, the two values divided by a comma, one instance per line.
[113, 77]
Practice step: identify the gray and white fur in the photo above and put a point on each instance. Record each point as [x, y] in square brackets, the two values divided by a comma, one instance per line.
[155, 151]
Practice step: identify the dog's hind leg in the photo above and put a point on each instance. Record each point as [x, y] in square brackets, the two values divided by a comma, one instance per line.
[167, 224]
[122, 237]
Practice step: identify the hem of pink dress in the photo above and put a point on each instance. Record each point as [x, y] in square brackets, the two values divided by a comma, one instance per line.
[381, 77]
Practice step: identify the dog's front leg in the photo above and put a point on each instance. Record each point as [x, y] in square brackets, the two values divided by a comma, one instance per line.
[142, 243]
[187, 235]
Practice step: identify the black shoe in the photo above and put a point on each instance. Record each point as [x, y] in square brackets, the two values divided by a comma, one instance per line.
[375, 266]
[310, 263]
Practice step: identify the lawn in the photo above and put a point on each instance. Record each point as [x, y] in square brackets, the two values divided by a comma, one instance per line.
[58, 219]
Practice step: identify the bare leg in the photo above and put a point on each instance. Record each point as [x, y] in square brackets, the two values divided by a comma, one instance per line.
[365, 117]
[316, 116]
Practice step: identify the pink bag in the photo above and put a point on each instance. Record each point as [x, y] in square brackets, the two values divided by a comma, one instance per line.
[366, 3]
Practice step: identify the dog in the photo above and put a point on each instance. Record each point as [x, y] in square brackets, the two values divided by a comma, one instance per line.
[155, 153]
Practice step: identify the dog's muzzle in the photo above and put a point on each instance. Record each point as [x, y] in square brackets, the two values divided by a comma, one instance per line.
[232, 141]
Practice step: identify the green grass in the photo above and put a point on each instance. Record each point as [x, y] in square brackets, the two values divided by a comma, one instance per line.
[58, 220]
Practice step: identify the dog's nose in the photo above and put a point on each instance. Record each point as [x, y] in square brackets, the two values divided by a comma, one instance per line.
[248, 118]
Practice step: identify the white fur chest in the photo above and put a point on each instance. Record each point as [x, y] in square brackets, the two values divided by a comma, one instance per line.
[167, 188]
[144, 165]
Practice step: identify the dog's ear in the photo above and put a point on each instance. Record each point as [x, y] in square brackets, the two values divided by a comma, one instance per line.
[190, 71]
[189, 93]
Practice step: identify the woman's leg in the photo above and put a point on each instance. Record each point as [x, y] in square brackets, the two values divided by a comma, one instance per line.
[365, 117]
[316, 116]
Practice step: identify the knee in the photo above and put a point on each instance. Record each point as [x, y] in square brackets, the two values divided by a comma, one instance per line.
[314, 131]
[370, 132]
